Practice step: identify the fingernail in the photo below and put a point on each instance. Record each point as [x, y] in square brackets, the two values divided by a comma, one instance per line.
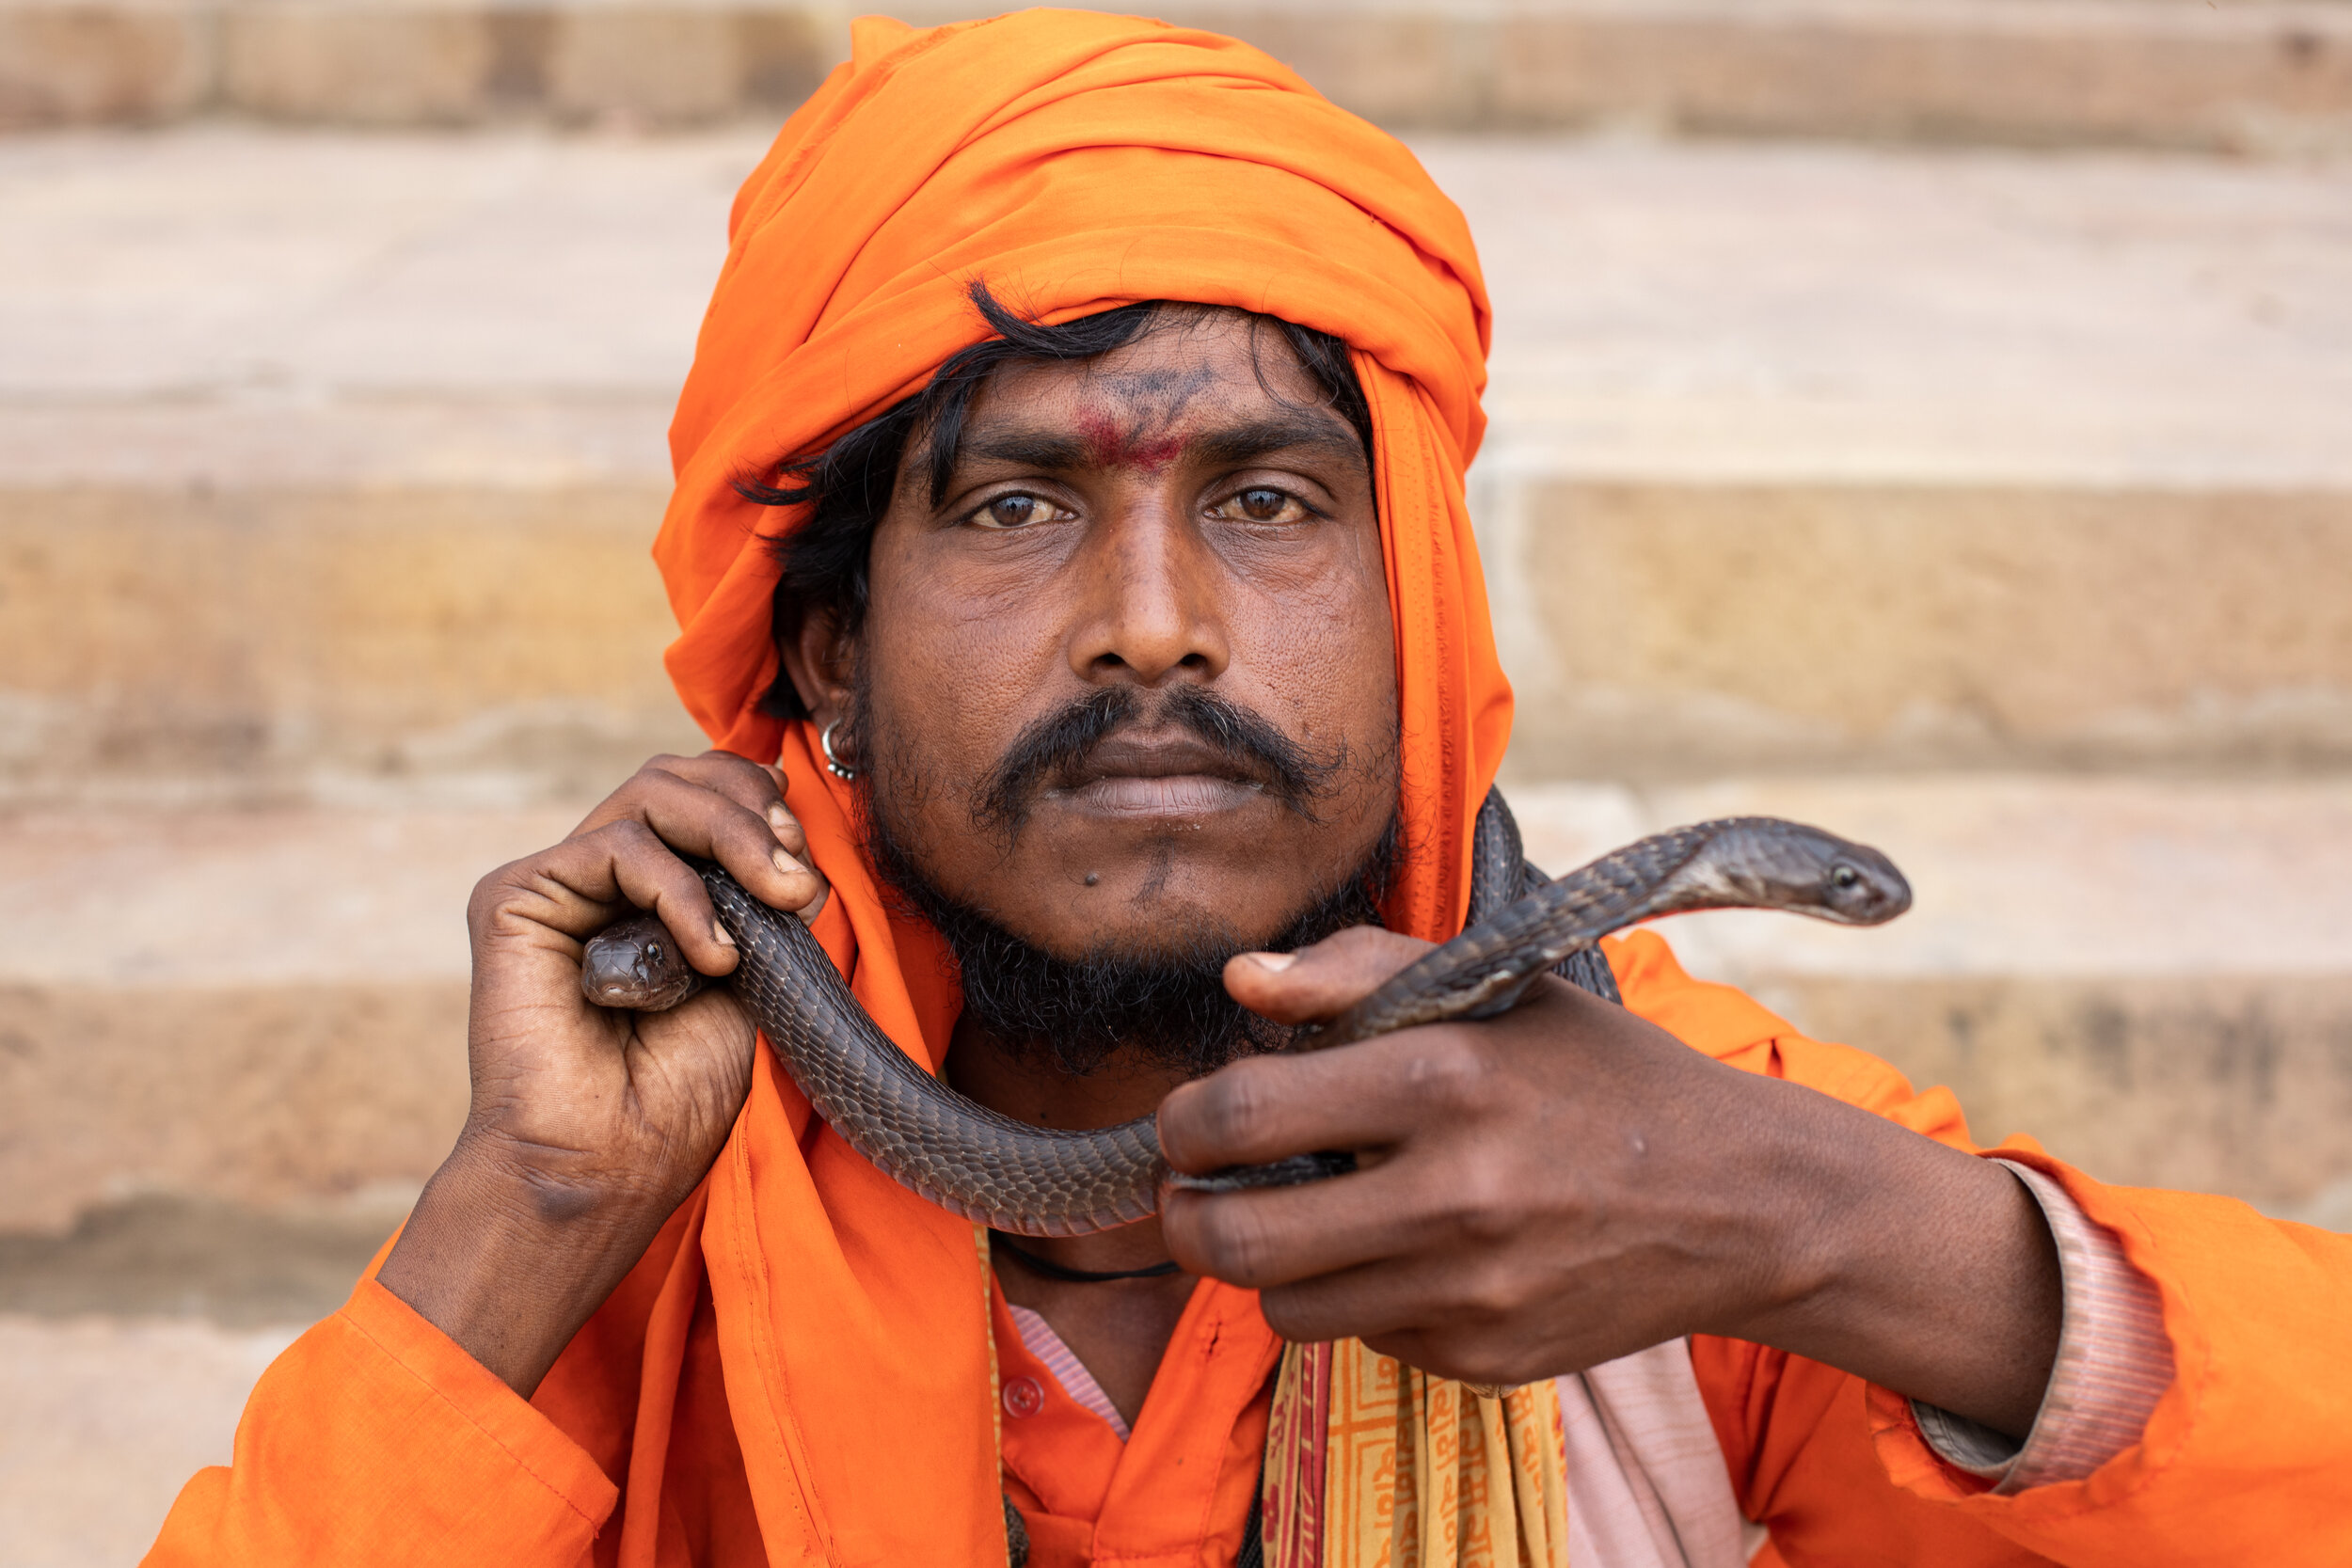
[786, 864]
[720, 934]
[1276, 961]
[779, 818]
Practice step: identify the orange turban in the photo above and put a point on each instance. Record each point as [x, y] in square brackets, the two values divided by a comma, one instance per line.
[1075, 162]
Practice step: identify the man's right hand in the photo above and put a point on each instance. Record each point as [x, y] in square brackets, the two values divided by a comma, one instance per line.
[589, 1128]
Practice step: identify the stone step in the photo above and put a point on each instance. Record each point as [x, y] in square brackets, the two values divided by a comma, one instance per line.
[239, 1266]
[258, 1007]
[348, 486]
[1810, 458]
[103, 1422]
[268, 1007]
[2260, 75]
[327, 463]
[2152, 976]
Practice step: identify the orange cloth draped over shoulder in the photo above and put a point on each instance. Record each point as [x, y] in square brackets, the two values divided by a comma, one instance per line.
[1075, 162]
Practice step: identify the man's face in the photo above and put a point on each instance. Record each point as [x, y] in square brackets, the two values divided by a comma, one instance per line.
[1173, 543]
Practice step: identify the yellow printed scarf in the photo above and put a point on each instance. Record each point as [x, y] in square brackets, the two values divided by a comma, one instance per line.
[1372, 1464]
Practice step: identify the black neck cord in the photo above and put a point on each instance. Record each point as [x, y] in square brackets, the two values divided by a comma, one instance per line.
[1052, 1270]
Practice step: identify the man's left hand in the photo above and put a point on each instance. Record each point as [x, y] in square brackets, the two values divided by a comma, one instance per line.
[1568, 1183]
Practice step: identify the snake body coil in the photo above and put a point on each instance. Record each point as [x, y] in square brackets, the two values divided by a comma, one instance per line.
[1040, 1181]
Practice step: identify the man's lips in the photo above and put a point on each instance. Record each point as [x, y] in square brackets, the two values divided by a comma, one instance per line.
[1173, 794]
[1130, 775]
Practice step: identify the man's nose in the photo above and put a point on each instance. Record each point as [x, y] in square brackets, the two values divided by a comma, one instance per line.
[1152, 599]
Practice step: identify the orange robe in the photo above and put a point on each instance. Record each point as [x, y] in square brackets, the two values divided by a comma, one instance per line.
[374, 1440]
[800, 1367]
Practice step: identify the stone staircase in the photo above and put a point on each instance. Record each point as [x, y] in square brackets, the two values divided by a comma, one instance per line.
[2237, 75]
[1991, 504]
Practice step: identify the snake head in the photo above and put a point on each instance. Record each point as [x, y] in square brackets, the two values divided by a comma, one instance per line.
[1787, 865]
[635, 964]
[1861, 887]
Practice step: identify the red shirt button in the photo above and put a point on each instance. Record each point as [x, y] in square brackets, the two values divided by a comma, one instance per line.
[1022, 1396]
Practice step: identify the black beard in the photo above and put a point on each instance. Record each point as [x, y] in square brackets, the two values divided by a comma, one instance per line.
[1168, 1005]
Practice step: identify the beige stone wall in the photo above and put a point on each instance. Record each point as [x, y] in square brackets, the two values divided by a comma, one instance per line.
[2253, 75]
[267, 644]
[2219, 1084]
[264, 1095]
[1706, 628]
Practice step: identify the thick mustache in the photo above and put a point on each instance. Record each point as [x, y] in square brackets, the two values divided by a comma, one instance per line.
[1060, 742]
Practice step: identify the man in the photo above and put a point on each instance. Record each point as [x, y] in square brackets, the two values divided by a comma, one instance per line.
[1069, 500]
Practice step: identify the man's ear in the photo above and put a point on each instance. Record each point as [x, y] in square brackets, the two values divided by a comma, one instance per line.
[822, 662]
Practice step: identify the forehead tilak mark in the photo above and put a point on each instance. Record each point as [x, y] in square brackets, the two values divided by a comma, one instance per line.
[1110, 445]
[1139, 434]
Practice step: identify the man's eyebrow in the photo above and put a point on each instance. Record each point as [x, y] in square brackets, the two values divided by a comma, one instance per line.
[1055, 451]
[1026, 449]
[1302, 432]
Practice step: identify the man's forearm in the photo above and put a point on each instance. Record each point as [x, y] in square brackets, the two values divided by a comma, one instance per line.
[1913, 1265]
[507, 1267]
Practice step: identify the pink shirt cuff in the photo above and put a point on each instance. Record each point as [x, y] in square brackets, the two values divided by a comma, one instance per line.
[2114, 1363]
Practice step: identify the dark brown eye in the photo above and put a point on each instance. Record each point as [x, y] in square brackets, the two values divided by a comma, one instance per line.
[1262, 503]
[1263, 506]
[1013, 511]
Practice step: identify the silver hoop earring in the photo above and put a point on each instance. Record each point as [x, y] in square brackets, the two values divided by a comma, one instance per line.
[834, 764]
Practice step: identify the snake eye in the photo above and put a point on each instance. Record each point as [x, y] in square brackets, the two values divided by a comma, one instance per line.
[1845, 876]
[653, 952]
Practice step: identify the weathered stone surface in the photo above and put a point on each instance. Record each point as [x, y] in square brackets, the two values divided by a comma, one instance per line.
[127, 1348]
[2151, 975]
[2016, 874]
[288, 291]
[102, 65]
[653, 65]
[1704, 629]
[1800, 458]
[2154, 977]
[2050, 445]
[157, 1256]
[2256, 75]
[262, 1007]
[2240, 1084]
[335, 466]
[260, 1094]
[102, 1422]
[357, 65]
[492, 643]
[2053, 72]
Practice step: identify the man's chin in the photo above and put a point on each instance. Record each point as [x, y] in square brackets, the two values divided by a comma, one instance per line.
[1133, 971]
[1250, 852]
[1154, 933]
[1161, 1002]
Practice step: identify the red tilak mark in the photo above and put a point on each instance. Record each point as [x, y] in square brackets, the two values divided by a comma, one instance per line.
[1108, 447]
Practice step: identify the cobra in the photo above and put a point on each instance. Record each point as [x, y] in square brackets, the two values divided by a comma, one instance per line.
[1043, 1181]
